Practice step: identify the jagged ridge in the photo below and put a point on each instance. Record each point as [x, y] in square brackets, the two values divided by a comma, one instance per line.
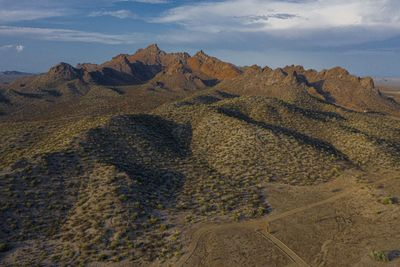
[157, 70]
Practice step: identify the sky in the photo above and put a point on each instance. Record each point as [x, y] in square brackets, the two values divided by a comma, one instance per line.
[360, 35]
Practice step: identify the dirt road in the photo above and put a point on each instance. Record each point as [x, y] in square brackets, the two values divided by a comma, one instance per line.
[261, 227]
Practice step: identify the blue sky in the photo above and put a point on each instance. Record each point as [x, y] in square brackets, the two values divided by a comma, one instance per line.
[361, 35]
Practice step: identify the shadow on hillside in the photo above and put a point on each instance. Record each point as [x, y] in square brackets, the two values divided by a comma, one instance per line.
[51, 92]
[43, 194]
[116, 90]
[319, 87]
[140, 135]
[389, 146]
[149, 149]
[136, 73]
[307, 140]
[206, 99]
[28, 95]
[211, 83]
[3, 98]
[314, 114]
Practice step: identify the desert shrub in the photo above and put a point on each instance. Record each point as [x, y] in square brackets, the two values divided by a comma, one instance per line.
[379, 255]
[261, 211]
[4, 247]
[153, 220]
[189, 218]
[389, 201]
[236, 216]
[163, 227]
[123, 198]
[102, 257]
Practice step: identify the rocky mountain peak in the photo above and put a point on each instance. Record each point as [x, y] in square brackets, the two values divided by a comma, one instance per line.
[153, 47]
[120, 57]
[338, 72]
[201, 55]
[151, 55]
[64, 71]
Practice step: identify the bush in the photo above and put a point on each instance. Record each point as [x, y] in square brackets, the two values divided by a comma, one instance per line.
[261, 211]
[379, 255]
[123, 198]
[389, 201]
[236, 216]
[4, 247]
[102, 257]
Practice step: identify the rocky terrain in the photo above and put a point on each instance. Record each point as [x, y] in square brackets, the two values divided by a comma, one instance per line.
[120, 163]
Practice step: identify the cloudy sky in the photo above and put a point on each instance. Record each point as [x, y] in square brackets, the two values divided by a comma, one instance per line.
[361, 35]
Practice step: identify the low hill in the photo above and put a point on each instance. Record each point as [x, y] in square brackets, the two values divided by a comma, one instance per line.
[127, 187]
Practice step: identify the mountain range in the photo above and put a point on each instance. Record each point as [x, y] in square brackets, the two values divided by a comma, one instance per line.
[152, 69]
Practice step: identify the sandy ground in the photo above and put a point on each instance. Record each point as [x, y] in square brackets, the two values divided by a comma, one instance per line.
[333, 224]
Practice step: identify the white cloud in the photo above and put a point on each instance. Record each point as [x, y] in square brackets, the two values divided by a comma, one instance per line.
[292, 19]
[121, 14]
[24, 10]
[6, 47]
[71, 35]
[18, 48]
[67, 35]
[150, 1]
[28, 14]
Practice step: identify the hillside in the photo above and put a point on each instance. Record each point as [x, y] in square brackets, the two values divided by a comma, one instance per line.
[131, 185]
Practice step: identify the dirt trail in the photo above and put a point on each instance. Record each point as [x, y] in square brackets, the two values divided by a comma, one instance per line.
[261, 226]
[285, 249]
[275, 217]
